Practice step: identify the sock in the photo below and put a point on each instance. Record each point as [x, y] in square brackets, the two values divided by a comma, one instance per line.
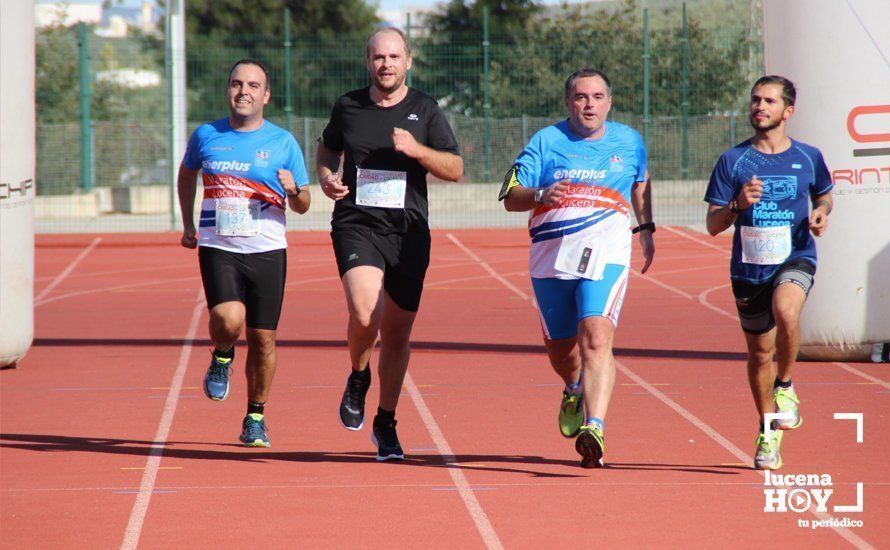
[761, 426]
[363, 375]
[779, 384]
[258, 408]
[599, 422]
[384, 416]
[575, 389]
[228, 354]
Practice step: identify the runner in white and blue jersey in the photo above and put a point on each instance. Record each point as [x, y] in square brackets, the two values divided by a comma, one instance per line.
[252, 171]
[764, 187]
[578, 179]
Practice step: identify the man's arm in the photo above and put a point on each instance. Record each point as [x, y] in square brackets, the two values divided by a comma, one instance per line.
[297, 198]
[327, 166]
[186, 184]
[442, 164]
[719, 218]
[641, 199]
[822, 205]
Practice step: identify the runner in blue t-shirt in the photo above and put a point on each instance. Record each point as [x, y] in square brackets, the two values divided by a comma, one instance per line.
[251, 171]
[763, 187]
[578, 179]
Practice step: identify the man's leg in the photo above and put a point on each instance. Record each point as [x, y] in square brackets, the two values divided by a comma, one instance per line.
[566, 362]
[761, 376]
[261, 363]
[363, 286]
[762, 370]
[595, 348]
[395, 351]
[788, 301]
[226, 321]
[565, 359]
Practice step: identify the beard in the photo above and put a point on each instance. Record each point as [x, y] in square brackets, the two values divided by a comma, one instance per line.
[764, 126]
[388, 89]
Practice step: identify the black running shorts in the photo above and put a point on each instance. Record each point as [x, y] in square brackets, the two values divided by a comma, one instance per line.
[754, 302]
[256, 280]
[403, 258]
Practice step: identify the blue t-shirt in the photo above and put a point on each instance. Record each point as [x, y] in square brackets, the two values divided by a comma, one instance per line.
[241, 168]
[599, 175]
[790, 180]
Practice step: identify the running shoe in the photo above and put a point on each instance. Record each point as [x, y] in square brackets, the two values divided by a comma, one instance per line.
[253, 431]
[216, 380]
[571, 414]
[352, 405]
[787, 402]
[590, 445]
[386, 439]
[767, 456]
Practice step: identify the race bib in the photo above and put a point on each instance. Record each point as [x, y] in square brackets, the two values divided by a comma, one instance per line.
[237, 217]
[380, 188]
[765, 245]
[581, 257]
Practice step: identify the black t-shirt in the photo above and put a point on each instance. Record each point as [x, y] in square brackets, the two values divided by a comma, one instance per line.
[363, 131]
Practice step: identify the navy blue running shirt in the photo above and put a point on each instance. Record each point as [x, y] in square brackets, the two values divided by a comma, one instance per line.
[790, 179]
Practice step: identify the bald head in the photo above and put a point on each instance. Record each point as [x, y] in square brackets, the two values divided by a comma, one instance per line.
[387, 32]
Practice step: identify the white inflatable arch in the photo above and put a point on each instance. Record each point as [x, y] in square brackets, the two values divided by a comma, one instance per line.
[17, 167]
[838, 55]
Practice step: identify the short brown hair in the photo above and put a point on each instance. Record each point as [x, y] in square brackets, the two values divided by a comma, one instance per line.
[789, 94]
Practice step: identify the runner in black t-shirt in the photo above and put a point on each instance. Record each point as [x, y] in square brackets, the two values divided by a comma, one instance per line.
[390, 136]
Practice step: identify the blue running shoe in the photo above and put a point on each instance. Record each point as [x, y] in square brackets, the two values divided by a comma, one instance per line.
[253, 431]
[216, 380]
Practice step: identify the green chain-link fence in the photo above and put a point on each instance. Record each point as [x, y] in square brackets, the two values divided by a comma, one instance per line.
[693, 113]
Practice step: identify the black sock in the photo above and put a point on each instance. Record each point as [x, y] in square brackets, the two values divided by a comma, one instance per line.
[363, 375]
[761, 426]
[779, 384]
[228, 354]
[385, 416]
[258, 408]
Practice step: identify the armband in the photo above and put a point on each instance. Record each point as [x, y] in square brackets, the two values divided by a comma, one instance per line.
[643, 227]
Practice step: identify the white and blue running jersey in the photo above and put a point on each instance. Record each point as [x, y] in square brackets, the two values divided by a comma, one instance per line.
[244, 204]
[591, 228]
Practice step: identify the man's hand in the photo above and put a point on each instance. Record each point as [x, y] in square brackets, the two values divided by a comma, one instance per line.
[404, 142]
[287, 181]
[648, 245]
[332, 186]
[751, 193]
[189, 238]
[554, 194]
[818, 222]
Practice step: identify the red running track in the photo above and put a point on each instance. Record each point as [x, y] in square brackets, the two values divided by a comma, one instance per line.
[107, 440]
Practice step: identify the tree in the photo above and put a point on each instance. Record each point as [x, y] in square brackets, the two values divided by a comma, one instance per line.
[449, 62]
[327, 42]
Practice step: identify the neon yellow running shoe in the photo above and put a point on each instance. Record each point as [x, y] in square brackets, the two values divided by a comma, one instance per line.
[787, 402]
[571, 414]
[590, 445]
[767, 456]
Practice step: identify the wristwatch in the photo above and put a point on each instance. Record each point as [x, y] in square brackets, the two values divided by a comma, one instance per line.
[539, 195]
[294, 195]
[734, 206]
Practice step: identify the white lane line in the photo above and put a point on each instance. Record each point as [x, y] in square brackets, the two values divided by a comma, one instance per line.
[845, 533]
[457, 476]
[858, 372]
[61, 276]
[114, 288]
[147, 485]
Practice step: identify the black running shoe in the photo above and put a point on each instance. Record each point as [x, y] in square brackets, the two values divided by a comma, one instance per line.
[352, 406]
[387, 440]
